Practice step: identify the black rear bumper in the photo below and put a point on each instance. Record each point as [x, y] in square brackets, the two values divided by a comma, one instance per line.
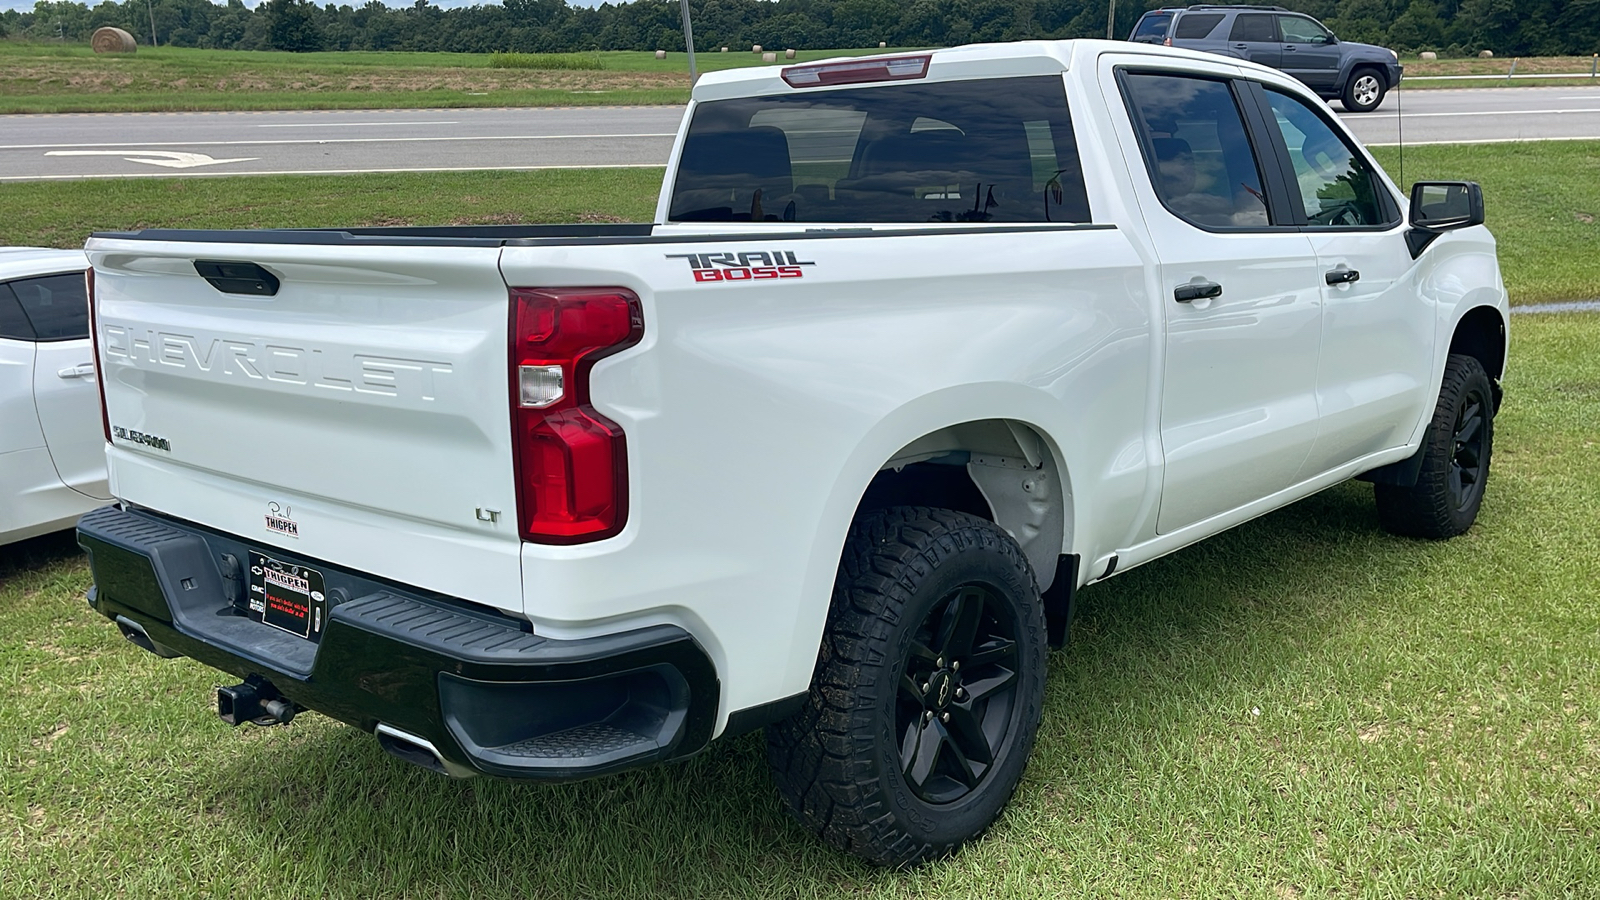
[478, 687]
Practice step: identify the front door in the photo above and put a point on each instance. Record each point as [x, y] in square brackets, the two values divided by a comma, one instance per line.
[64, 387]
[1376, 366]
[1309, 53]
[1238, 407]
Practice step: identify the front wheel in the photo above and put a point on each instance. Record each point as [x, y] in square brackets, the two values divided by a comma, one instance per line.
[928, 689]
[1364, 91]
[1455, 463]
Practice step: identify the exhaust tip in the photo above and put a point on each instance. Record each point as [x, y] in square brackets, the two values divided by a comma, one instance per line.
[137, 636]
[417, 751]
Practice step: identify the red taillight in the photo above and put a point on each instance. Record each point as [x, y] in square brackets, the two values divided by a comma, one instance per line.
[571, 462]
[99, 361]
[890, 68]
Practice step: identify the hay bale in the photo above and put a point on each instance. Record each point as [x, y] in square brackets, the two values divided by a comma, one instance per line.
[1486, 54]
[112, 40]
[769, 56]
[882, 45]
[788, 54]
[1429, 55]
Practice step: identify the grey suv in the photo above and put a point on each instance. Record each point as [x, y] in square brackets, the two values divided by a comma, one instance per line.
[1357, 74]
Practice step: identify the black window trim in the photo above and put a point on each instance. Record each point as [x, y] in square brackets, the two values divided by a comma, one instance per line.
[36, 339]
[1273, 136]
[1269, 164]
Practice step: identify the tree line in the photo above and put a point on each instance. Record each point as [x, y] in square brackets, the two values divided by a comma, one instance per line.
[1453, 27]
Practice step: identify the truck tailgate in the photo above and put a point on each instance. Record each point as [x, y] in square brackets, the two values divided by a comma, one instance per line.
[357, 415]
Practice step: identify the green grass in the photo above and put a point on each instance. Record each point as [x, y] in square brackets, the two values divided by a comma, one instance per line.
[545, 61]
[1301, 707]
[1543, 204]
[63, 214]
[52, 78]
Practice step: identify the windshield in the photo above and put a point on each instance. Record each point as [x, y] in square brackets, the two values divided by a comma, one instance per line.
[1152, 27]
[994, 150]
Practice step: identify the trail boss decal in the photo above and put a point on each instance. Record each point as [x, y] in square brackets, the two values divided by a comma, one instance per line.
[754, 265]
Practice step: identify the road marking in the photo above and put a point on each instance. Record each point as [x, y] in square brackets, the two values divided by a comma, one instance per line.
[169, 158]
[1482, 112]
[374, 140]
[347, 124]
[1511, 140]
[330, 172]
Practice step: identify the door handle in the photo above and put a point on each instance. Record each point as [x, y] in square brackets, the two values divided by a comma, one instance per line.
[1197, 290]
[1342, 275]
[81, 370]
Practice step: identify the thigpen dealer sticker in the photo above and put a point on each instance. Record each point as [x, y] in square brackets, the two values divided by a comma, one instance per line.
[753, 265]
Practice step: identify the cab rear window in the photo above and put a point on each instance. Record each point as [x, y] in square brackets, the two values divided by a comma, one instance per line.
[995, 150]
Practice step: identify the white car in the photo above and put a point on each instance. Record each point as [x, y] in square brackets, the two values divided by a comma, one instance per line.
[52, 450]
[916, 347]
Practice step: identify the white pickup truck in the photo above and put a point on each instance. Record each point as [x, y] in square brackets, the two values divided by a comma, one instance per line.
[916, 347]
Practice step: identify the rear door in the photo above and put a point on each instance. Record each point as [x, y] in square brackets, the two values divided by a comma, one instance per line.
[65, 392]
[1238, 408]
[1254, 36]
[1309, 52]
[358, 391]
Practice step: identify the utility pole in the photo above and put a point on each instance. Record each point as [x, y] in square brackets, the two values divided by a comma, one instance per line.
[1111, 21]
[151, 7]
[688, 40]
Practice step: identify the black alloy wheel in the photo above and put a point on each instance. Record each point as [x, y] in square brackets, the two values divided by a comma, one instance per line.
[1469, 441]
[927, 693]
[957, 693]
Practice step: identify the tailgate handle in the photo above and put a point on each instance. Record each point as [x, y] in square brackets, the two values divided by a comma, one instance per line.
[234, 277]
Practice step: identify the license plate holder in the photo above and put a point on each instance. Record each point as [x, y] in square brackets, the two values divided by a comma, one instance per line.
[288, 596]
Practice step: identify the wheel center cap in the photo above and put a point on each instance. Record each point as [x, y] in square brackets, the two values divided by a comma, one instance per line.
[941, 687]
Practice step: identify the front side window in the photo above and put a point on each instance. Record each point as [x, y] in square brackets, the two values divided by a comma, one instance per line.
[1300, 30]
[1255, 28]
[1337, 186]
[1200, 158]
[996, 150]
[57, 306]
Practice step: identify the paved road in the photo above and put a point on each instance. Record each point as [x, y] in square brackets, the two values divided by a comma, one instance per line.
[167, 144]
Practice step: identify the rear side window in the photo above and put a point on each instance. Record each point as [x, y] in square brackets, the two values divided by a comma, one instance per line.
[57, 306]
[995, 150]
[1254, 28]
[13, 324]
[1200, 158]
[1195, 26]
[1153, 26]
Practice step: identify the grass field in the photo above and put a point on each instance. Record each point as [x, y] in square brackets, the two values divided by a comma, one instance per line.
[56, 78]
[1302, 707]
[1543, 203]
[50, 78]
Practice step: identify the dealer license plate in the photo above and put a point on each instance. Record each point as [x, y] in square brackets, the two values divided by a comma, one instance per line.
[288, 596]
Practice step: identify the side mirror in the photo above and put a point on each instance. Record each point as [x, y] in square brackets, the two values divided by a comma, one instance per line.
[1444, 205]
[1440, 206]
